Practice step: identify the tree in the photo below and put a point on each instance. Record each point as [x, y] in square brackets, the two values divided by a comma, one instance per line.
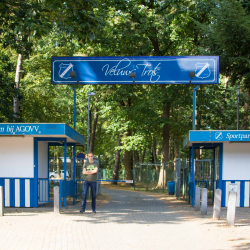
[24, 22]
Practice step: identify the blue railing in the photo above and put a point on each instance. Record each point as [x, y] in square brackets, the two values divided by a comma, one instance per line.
[46, 189]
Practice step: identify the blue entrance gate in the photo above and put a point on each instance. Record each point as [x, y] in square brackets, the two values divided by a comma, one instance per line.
[46, 189]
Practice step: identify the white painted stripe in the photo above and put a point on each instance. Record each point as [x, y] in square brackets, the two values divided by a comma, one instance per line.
[44, 187]
[246, 198]
[27, 193]
[238, 194]
[7, 192]
[17, 192]
[227, 191]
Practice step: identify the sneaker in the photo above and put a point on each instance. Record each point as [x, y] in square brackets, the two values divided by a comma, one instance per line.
[82, 211]
[94, 212]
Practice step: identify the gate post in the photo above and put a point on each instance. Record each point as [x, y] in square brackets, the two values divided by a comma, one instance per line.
[57, 200]
[197, 204]
[204, 201]
[217, 204]
[177, 177]
[231, 208]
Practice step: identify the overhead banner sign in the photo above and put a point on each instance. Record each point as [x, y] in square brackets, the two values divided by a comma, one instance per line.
[148, 70]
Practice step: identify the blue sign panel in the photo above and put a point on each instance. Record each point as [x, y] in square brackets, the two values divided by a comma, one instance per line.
[41, 130]
[148, 70]
[216, 136]
[220, 136]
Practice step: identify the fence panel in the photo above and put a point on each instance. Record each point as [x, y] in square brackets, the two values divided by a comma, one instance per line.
[154, 175]
[43, 190]
[204, 175]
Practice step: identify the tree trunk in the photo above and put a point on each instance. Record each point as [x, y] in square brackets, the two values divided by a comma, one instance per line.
[16, 108]
[127, 162]
[166, 134]
[165, 144]
[155, 156]
[176, 148]
[93, 130]
[54, 162]
[135, 156]
[143, 155]
[245, 127]
[117, 162]
[154, 150]
[226, 79]
[127, 165]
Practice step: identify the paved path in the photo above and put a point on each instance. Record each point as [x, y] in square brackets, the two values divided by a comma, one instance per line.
[130, 220]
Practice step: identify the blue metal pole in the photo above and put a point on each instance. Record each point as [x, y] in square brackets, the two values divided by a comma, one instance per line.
[189, 173]
[193, 176]
[74, 162]
[214, 180]
[34, 199]
[74, 107]
[65, 169]
[220, 165]
[88, 128]
[194, 105]
[74, 168]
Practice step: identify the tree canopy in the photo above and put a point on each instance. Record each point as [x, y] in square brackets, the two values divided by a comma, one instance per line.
[131, 119]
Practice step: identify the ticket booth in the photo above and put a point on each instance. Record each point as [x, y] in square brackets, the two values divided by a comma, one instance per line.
[230, 164]
[24, 162]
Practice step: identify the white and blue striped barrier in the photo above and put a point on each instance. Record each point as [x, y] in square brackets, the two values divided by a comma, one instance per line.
[18, 192]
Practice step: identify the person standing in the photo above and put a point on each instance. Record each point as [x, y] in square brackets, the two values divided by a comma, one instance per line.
[90, 169]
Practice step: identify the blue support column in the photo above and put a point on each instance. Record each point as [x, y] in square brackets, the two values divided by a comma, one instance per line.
[35, 196]
[214, 175]
[74, 168]
[193, 176]
[48, 161]
[221, 186]
[220, 166]
[194, 105]
[74, 106]
[48, 172]
[65, 169]
[189, 173]
[74, 162]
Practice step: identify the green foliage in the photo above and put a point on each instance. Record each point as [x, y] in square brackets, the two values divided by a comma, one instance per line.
[228, 36]
[42, 29]
[7, 90]
[22, 21]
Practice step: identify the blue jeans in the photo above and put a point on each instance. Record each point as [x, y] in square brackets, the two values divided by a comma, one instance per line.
[86, 185]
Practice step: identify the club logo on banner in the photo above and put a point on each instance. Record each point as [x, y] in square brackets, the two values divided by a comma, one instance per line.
[65, 69]
[218, 136]
[202, 70]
